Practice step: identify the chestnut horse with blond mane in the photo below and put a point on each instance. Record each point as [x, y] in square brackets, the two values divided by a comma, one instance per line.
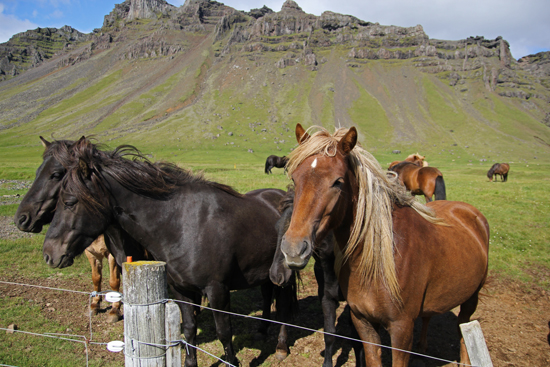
[397, 258]
[427, 181]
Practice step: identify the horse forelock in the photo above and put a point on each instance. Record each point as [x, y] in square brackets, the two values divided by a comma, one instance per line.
[378, 191]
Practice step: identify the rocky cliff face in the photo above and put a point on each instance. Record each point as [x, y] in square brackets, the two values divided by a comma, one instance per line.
[31, 48]
[137, 9]
[153, 29]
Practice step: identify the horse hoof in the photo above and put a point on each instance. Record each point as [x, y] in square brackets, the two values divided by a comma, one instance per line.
[281, 355]
[113, 317]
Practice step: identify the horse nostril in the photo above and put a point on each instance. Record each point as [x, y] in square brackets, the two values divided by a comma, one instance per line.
[23, 219]
[47, 258]
[305, 249]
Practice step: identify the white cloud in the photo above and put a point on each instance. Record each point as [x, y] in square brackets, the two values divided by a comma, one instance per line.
[10, 25]
[57, 14]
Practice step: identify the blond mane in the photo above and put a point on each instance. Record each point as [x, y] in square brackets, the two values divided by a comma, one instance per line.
[379, 191]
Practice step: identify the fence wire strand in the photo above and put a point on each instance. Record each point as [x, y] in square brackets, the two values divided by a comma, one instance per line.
[187, 345]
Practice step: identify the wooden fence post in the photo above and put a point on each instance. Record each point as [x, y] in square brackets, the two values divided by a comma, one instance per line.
[475, 344]
[145, 294]
[173, 333]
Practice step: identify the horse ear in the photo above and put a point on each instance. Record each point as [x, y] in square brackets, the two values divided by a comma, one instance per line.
[301, 134]
[84, 168]
[348, 141]
[45, 143]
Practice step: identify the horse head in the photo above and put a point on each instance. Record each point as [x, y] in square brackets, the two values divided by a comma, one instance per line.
[321, 182]
[38, 205]
[80, 215]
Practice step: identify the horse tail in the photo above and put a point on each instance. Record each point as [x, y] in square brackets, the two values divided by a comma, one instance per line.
[440, 193]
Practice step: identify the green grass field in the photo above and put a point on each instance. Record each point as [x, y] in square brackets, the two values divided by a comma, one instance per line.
[517, 211]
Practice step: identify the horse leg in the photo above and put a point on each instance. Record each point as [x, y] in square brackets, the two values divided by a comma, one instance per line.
[97, 267]
[328, 295]
[368, 332]
[423, 342]
[467, 309]
[267, 293]
[114, 281]
[401, 333]
[285, 300]
[219, 298]
[189, 323]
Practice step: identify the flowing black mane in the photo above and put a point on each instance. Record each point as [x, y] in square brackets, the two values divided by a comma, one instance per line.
[129, 167]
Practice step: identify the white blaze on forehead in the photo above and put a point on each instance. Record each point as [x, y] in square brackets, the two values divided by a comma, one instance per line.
[314, 164]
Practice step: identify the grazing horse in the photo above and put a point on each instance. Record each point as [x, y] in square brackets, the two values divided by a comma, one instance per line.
[427, 181]
[397, 259]
[274, 161]
[38, 206]
[499, 169]
[212, 238]
[328, 289]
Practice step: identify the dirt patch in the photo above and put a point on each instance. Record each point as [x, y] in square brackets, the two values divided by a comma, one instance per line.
[514, 321]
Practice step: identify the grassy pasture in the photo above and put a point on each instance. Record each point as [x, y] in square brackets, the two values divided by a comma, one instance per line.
[518, 213]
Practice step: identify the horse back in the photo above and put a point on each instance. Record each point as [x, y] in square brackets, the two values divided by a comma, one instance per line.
[440, 266]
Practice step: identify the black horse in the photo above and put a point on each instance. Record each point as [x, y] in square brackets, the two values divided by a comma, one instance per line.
[501, 169]
[187, 258]
[328, 289]
[274, 161]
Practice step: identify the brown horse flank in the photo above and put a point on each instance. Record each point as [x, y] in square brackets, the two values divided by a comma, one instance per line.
[427, 181]
[399, 259]
[499, 169]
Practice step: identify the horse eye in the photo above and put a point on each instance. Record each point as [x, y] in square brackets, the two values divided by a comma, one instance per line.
[57, 176]
[70, 203]
[338, 184]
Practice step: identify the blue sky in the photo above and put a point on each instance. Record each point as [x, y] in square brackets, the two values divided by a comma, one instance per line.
[525, 24]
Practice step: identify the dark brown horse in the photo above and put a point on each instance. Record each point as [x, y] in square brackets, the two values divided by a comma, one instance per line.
[38, 206]
[212, 238]
[274, 161]
[427, 181]
[499, 169]
[397, 259]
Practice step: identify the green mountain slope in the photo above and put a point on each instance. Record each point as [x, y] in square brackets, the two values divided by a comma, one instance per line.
[206, 77]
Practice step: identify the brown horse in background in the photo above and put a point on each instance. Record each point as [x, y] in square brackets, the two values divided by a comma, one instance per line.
[413, 158]
[499, 169]
[95, 253]
[397, 259]
[427, 181]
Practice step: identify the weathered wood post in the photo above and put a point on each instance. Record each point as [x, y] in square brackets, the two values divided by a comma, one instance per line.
[475, 344]
[145, 295]
[173, 333]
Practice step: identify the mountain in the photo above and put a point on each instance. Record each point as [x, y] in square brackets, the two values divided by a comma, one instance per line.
[205, 76]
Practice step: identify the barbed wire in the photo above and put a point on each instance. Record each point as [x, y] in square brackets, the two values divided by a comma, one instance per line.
[89, 341]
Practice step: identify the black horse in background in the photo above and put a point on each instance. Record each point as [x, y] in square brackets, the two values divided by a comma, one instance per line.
[501, 169]
[328, 288]
[274, 161]
[212, 238]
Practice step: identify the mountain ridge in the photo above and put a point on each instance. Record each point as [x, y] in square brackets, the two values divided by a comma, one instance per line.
[197, 64]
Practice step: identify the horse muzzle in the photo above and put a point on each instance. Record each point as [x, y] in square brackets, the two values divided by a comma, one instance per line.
[25, 223]
[55, 257]
[297, 253]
